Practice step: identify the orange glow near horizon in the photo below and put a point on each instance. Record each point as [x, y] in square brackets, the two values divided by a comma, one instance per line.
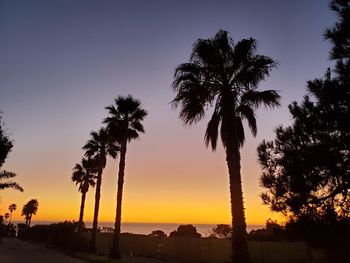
[193, 194]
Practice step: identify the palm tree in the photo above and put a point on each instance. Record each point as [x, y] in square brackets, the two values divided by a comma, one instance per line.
[6, 216]
[12, 208]
[97, 148]
[30, 209]
[8, 184]
[124, 124]
[84, 176]
[226, 75]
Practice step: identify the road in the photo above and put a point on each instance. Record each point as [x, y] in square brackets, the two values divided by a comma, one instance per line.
[13, 250]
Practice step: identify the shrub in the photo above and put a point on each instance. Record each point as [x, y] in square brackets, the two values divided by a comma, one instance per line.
[62, 235]
[157, 233]
[185, 231]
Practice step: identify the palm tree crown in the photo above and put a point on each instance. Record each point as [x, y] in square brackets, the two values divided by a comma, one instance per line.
[124, 122]
[84, 174]
[30, 209]
[99, 146]
[12, 207]
[225, 75]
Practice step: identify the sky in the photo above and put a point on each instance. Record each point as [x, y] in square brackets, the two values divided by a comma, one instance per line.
[62, 62]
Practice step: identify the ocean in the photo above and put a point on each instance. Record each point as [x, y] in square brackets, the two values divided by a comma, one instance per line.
[146, 228]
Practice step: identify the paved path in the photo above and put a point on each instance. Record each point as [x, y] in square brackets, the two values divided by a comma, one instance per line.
[13, 250]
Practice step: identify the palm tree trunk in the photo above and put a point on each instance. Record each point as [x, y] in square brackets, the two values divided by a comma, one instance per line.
[92, 245]
[29, 220]
[10, 218]
[81, 215]
[239, 244]
[115, 253]
[239, 238]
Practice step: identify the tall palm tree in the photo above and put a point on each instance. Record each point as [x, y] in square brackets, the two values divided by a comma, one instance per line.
[226, 75]
[30, 209]
[124, 124]
[84, 175]
[98, 147]
[12, 207]
[4, 184]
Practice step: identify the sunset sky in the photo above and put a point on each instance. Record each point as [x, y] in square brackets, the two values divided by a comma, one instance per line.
[62, 62]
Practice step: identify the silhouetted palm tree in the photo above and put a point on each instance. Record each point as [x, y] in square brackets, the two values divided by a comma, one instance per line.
[84, 175]
[8, 184]
[124, 124]
[30, 209]
[225, 75]
[12, 207]
[6, 216]
[98, 147]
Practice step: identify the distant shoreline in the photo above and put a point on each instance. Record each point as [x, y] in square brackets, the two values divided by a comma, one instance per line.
[147, 228]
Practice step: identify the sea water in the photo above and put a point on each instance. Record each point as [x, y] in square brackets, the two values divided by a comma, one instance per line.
[147, 228]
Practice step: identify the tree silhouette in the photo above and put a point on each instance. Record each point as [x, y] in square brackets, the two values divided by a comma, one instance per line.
[185, 231]
[5, 148]
[157, 233]
[84, 175]
[222, 231]
[6, 216]
[225, 75]
[98, 148]
[12, 207]
[124, 124]
[30, 209]
[5, 144]
[306, 167]
[339, 36]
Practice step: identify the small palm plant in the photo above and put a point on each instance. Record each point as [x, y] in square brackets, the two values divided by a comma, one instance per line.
[12, 208]
[30, 209]
[84, 175]
[6, 216]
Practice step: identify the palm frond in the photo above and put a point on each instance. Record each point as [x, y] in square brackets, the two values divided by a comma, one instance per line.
[246, 112]
[256, 70]
[12, 185]
[268, 98]
[6, 175]
[211, 133]
[137, 126]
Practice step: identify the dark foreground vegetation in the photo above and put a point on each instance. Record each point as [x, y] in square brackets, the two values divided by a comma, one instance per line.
[306, 168]
[186, 245]
[63, 235]
[301, 241]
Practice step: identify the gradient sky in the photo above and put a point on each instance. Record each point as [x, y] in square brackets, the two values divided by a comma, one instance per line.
[62, 62]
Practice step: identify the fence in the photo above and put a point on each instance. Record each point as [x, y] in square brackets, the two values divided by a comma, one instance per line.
[208, 250]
